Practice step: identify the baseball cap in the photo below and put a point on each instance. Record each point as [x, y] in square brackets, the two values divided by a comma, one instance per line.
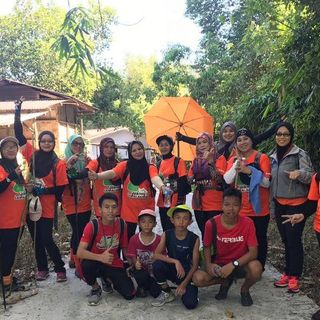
[179, 207]
[147, 212]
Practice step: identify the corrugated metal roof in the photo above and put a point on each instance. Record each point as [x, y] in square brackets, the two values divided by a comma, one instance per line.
[95, 133]
[8, 119]
[30, 105]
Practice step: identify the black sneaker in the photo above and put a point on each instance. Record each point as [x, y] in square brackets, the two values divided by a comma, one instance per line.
[106, 285]
[246, 299]
[223, 291]
[94, 297]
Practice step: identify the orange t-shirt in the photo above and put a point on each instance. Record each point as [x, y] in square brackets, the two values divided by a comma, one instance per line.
[167, 168]
[212, 199]
[84, 197]
[102, 186]
[314, 194]
[135, 198]
[265, 167]
[48, 200]
[12, 201]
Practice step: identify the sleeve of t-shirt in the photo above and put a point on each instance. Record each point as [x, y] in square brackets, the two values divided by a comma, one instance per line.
[27, 151]
[119, 169]
[124, 238]
[252, 238]
[3, 174]
[92, 165]
[87, 233]
[182, 171]
[314, 190]
[265, 165]
[61, 174]
[207, 238]
[230, 163]
[132, 247]
[221, 164]
[190, 173]
[153, 171]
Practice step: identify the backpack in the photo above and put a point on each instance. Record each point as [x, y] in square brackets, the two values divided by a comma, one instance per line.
[95, 224]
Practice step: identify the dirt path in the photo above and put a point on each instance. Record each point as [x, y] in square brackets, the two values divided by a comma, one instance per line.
[68, 301]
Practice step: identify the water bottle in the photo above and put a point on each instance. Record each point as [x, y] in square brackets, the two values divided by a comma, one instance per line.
[167, 196]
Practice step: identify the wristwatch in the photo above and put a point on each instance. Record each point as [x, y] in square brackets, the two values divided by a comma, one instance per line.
[236, 263]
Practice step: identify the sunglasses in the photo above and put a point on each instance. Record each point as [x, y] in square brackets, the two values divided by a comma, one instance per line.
[283, 134]
[76, 143]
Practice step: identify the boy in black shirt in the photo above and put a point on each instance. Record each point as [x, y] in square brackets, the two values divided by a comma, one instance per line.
[181, 262]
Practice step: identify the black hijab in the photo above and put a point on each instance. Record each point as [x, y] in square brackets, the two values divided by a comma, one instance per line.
[138, 169]
[44, 161]
[171, 143]
[281, 151]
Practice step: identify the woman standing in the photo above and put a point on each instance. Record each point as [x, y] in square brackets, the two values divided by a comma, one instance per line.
[137, 177]
[291, 175]
[207, 171]
[76, 198]
[172, 170]
[48, 184]
[106, 161]
[249, 171]
[13, 204]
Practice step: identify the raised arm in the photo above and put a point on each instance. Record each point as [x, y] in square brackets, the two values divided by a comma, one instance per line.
[18, 130]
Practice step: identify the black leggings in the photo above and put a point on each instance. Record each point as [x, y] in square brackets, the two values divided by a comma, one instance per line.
[291, 237]
[8, 248]
[261, 224]
[78, 223]
[44, 242]
[318, 237]
[165, 220]
[202, 217]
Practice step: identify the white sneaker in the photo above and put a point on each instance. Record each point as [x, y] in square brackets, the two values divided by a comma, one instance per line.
[163, 298]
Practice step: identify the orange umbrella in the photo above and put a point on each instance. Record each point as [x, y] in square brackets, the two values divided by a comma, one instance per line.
[177, 114]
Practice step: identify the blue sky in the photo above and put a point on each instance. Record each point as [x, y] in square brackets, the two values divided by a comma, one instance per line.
[162, 23]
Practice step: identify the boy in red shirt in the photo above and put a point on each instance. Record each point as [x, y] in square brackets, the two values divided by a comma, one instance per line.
[102, 260]
[141, 250]
[235, 250]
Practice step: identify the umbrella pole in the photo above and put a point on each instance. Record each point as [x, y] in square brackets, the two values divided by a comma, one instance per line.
[178, 147]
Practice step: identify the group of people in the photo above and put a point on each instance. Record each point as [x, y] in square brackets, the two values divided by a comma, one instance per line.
[235, 190]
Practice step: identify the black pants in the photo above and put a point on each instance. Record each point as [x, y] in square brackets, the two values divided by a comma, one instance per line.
[261, 224]
[131, 229]
[164, 271]
[318, 237]
[145, 281]
[291, 237]
[165, 220]
[78, 223]
[121, 282]
[45, 243]
[202, 217]
[8, 249]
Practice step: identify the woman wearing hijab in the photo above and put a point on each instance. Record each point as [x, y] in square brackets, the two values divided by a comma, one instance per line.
[227, 138]
[106, 161]
[291, 175]
[207, 171]
[48, 183]
[137, 177]
[76, 198]
[13, 204]
[249, 171]
[172, 171]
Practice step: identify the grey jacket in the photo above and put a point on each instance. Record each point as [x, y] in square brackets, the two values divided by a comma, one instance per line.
[281, 186]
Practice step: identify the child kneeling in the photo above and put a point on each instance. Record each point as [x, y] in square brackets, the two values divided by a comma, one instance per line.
[100, 254]
[235, 250]
[141, 251]
[181, 262]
